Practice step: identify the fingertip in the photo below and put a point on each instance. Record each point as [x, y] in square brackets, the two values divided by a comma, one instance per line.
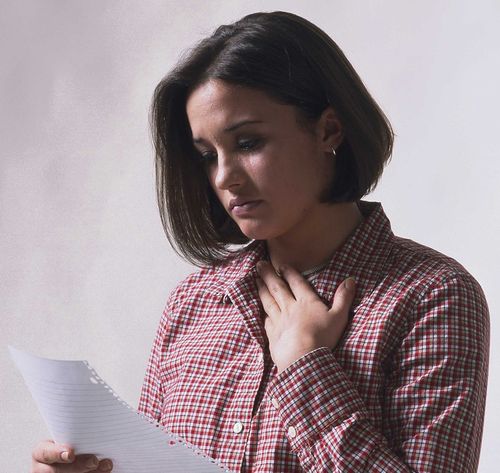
[91, 462]
[67, 456]
[350, 284]
[260, 266]
[68, 451]
[105, 465]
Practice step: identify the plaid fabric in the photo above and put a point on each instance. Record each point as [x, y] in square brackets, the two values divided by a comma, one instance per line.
[403, 391]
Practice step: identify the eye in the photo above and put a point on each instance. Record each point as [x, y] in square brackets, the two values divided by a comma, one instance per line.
[248, 144]
[206, 157]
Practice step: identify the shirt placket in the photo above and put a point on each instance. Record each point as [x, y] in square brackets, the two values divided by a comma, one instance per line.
[244, 298]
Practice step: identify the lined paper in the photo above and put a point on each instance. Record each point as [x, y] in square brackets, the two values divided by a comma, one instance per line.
[81, 410]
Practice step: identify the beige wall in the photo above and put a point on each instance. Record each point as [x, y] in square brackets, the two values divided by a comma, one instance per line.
[85, 268]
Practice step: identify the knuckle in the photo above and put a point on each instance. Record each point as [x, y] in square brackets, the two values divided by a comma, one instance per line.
[45, 455]
[275, 287]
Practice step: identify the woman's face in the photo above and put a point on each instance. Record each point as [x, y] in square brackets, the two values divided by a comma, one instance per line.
[266, 169]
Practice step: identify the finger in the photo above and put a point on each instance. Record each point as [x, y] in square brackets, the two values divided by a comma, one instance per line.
[105, 465]
[269, 327]
[343, 298]
[45, 452]
[277, 287]
[300, 286]
[268, 302]
[48, 452]
[85, 463]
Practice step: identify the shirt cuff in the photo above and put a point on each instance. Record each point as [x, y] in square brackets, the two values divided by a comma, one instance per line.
[314, 395]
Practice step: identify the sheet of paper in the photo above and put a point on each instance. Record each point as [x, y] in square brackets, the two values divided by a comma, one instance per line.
[80, 409]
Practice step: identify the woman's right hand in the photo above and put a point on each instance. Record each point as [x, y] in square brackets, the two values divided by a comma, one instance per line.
[49, 457]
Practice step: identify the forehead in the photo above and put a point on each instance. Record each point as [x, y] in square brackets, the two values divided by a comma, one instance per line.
[217, 103]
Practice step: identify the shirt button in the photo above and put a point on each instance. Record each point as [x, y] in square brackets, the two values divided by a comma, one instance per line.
[237, 427]
[227, 299]
[260, 357]
[275, 402]
[292, 433]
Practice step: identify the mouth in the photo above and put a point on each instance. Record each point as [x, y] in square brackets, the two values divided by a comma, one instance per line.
[243, 208]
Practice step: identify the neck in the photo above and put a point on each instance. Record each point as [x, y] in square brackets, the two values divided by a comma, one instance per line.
[314, 244]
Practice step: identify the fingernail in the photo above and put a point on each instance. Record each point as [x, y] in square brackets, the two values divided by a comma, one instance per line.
[65, 456]
[350, 283]
[92, 462]
[259, 266]
[106, 465]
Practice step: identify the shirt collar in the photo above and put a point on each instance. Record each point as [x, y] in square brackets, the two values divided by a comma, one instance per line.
[238, 268]
[363, 256]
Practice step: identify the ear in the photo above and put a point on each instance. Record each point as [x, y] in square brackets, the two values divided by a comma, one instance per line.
[330, 131]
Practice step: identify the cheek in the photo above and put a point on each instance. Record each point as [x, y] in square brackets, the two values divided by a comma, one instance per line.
[211, 180]
[219, 195]
[297, 178]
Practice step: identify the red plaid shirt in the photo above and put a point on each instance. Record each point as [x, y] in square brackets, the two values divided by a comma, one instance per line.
[403, 391]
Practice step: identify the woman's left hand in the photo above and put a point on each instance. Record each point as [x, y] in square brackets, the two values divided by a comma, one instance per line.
[297, 320]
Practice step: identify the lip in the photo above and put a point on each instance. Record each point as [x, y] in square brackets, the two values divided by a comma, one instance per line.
[242, 206]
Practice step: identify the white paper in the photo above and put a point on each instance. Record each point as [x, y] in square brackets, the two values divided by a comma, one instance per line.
[81, 410]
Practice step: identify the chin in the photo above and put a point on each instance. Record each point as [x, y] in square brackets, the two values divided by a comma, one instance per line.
[256, 231]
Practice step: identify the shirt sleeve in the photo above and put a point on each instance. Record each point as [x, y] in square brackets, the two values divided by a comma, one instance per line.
[434, 400]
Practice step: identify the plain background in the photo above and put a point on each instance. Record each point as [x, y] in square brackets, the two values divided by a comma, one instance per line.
[85, 268]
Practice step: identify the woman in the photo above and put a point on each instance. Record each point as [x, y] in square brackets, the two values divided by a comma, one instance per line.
[312, 339]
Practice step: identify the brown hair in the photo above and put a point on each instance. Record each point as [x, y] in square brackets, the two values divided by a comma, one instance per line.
[295, 63]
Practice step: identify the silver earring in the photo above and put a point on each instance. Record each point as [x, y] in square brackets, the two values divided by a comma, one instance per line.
[334, 153]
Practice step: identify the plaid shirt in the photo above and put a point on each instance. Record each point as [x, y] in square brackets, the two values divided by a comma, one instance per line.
[404, 390]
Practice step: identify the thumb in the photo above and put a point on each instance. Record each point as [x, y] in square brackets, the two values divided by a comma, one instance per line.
[344, 296]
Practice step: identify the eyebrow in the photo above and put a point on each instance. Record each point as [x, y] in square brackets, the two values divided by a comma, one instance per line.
[232, 127]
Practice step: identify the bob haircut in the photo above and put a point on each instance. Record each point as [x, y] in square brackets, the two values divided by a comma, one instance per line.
[295, 63]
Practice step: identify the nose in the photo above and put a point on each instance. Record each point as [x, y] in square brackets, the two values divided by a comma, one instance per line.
[228, 172]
